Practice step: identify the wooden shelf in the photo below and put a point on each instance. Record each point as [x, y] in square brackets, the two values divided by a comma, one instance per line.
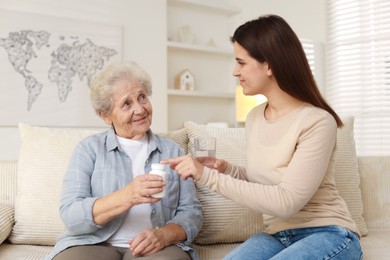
[199, 48]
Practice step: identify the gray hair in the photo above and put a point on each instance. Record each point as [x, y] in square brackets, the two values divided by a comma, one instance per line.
[102, 87]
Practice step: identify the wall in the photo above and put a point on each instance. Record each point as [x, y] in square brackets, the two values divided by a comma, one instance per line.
[306, 17]
[144, 37]
[144, 31]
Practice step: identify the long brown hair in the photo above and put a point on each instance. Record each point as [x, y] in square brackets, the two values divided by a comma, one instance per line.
[270, 39]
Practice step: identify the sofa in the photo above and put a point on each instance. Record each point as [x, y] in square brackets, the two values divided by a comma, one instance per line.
[30, 192]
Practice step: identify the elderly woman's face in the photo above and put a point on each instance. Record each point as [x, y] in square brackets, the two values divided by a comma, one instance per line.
[132, 111]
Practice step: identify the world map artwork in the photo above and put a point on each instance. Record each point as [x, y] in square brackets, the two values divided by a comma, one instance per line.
[70, 57]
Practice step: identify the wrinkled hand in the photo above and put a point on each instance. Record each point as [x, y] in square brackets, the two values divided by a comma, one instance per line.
[139, 191]
[186, 167]
[148, 242]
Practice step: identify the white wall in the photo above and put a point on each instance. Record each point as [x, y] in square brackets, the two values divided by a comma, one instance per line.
[306, 17]
[144, 40]
[144, 37]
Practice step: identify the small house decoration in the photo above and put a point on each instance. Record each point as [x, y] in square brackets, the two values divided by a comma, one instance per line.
[185, 80]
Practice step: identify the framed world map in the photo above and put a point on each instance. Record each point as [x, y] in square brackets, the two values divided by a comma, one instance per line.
[46, 66]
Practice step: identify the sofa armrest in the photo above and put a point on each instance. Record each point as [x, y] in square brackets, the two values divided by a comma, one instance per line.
[6, 221]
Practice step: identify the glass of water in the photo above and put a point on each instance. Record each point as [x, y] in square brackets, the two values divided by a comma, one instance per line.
[205, 150]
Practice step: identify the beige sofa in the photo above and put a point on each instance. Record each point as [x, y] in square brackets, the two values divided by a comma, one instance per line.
[30, 192]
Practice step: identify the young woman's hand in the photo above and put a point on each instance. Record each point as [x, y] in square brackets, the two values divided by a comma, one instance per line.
[220, 165]
[186, 167]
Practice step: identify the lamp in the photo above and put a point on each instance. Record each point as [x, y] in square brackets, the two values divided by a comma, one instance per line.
[244, 104]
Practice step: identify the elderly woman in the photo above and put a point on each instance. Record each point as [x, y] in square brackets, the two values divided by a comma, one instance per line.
[107, 202]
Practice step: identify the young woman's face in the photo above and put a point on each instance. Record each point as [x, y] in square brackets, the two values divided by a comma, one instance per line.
[132, 112]
[254, 76]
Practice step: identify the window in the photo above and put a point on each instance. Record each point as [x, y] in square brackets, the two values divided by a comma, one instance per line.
[358, 70]
[314, 54]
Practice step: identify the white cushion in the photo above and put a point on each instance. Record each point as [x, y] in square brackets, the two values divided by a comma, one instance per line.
[224, 220]
[43, 160]
[179, 136]
[346, 173]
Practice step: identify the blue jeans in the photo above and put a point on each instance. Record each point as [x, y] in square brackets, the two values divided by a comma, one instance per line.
[329, 242]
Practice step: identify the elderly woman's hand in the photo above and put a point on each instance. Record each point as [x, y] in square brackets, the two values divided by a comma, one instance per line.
[150, 241]
[186, 167]
[141, 189]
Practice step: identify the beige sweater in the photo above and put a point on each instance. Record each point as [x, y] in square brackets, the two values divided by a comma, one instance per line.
[289, 173]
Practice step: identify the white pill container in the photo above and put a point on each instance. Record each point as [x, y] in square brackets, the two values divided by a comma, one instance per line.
[158, 169]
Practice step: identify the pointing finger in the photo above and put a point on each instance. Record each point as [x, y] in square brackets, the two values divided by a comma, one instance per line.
[174, 161]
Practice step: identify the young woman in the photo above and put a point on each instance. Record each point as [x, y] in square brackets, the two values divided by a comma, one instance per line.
[291, 143]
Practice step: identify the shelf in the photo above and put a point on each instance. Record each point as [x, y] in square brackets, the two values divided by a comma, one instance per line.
[214, 5]
[213, 99]
[194, 93]
[199, 48]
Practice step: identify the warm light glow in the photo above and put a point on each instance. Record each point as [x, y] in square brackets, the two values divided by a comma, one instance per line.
[244, 104]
